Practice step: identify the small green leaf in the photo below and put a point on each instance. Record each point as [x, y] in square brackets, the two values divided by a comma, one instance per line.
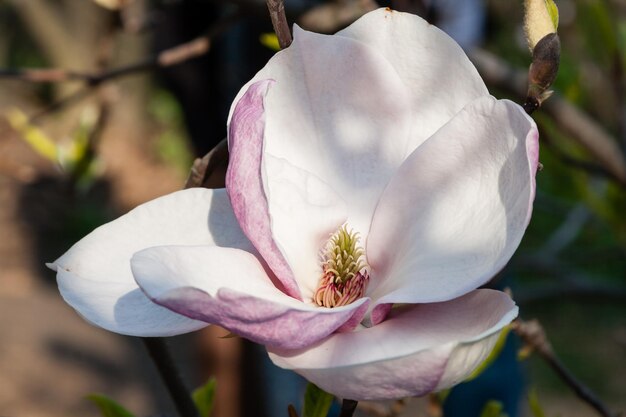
[203, 397]
[533, 402]
[108, 407]
[493, 408]
[317, 402]
[497, 349]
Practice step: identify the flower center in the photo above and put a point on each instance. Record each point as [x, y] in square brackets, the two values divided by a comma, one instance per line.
[344, 277]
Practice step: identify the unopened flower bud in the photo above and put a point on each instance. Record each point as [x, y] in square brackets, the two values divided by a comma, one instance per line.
[542, 71]
[541, 18]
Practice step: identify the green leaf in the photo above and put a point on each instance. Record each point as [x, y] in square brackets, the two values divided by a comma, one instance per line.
[317, 402]
[493, 355]
[108, 407]
[493, 408]
[533, 402]
[204, 396]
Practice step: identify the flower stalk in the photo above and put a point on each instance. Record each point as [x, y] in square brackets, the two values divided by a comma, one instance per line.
[348, 407]
[162, 359]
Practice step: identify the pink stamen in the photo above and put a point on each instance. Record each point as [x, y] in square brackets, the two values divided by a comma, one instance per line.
[332, 292]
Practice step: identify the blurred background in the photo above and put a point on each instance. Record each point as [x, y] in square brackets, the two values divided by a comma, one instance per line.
[78, 149]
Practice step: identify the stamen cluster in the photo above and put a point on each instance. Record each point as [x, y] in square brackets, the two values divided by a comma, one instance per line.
[344, 277]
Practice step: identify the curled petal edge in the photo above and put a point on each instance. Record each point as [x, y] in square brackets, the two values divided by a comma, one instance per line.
[418, 350]
[230, 287]
[245, 185]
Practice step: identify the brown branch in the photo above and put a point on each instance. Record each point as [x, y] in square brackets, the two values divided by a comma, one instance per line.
[167, 58]
[279, 22]
[161, 356]
[534, 336]
[61, 103]
[210, 170]
[573, 121]
[348, 407]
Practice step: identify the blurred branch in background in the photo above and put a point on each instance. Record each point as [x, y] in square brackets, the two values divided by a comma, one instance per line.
[534, 337]
[173, 56]
[210, 170]
[170, 57]
[55, 27]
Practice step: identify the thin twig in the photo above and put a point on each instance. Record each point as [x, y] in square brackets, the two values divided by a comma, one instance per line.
[348, 407]
[167, 58]
[164, 362]
[62, 103]
[533, 335]
[210, 170]
[279, 22]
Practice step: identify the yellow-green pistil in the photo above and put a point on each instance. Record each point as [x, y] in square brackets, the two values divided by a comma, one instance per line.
[344, 277]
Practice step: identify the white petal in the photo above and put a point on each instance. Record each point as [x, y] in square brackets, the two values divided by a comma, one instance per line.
[436, 72]
[121, 307]
[339, 111]
[94, 276]
[458, 207]
[230, 287]
[304, 212]
[417, 350]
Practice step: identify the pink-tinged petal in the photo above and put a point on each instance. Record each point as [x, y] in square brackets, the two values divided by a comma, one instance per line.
[304, 213]
[380, 312]
[230, 287]
[457, 208]
[409, 354]
[439, 77]
[94, 276]
[339, 111]
[244, 183]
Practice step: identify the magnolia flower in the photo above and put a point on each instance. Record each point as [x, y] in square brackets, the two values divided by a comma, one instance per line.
[373, 185]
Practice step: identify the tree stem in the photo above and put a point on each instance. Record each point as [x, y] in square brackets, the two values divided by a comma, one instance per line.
[347, 408]
[157, 348]
[279, 22]
[533, 335]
